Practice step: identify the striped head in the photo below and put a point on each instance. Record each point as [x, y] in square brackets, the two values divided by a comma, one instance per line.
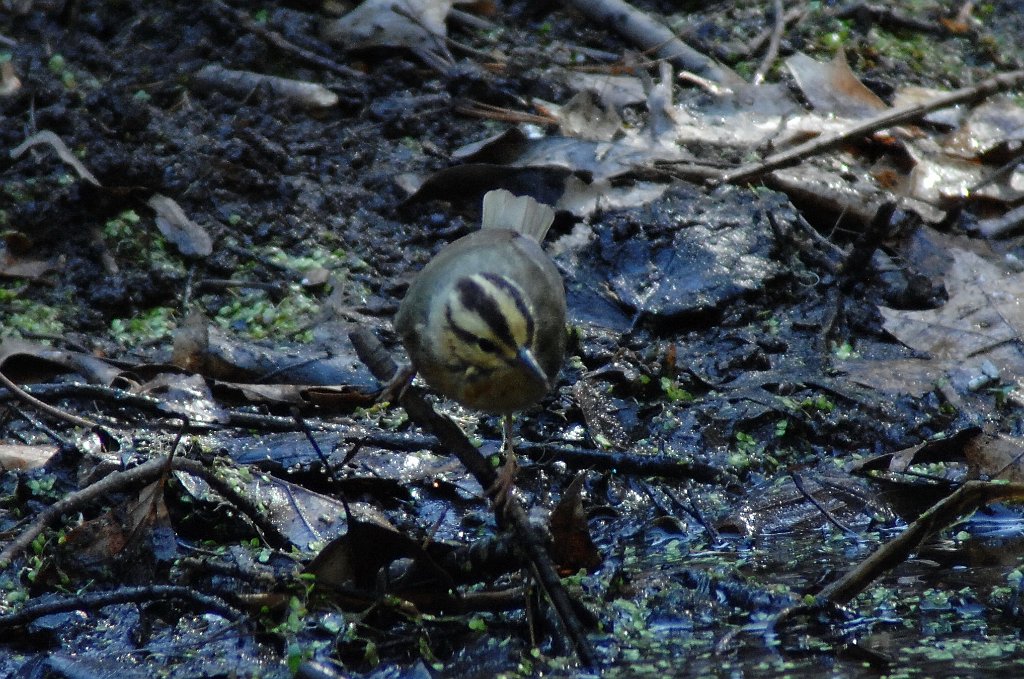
[488, 330]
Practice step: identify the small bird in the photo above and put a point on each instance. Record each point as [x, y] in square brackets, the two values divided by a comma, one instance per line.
[484, 321]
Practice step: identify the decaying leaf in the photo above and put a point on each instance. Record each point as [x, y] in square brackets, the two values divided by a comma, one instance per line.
[28, 269]
[63, 152]
[191, 239]
[602, 425]
[356, 557]
[977, 331]
[996, 456]
[994, 130]
[417, 25]
[135, 537]
[786, 506]
[22, 456]
[572, 547]
[833, 87]
[303, 516]
[185, 395]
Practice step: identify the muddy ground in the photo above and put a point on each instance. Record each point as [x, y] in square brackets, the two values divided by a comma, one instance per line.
[706, 394]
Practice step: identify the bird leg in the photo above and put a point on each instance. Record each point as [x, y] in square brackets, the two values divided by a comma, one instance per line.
[396, 386]
[502, 487]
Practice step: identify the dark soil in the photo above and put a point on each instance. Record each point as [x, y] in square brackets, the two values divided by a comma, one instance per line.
[743, 376]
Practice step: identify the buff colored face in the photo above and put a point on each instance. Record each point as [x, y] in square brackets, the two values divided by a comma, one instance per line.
[490, 328]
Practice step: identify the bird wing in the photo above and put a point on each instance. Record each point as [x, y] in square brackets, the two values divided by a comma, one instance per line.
[503, 210]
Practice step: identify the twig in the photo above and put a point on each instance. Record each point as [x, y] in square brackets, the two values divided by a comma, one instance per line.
[773, 44]
[278, 41]
[650, 35]
[241, 83]
[890, 18]
[124, 595]
[479, 110]
[28, 399]
[1003, 225]
[145, 403]
[965, 500]
[270, 533]
[886, 119]
[41, 426]
[116, 481]
[448, 433]
[798, 481]
[470, 20]
[665, 466]
[754, 46]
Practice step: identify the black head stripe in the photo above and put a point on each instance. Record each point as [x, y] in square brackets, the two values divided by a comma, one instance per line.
[460, 332]
[474, 298]
[516, 294]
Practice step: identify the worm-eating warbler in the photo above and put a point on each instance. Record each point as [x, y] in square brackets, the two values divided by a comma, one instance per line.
[484, 321]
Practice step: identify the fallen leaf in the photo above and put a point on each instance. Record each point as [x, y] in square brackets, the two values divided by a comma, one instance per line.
[976, 331]
[418, 25]
[572, 547]
[23, 457]
[191, 239]
[832, 87]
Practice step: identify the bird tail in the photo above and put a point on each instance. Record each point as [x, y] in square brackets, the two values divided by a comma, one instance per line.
[503, 210]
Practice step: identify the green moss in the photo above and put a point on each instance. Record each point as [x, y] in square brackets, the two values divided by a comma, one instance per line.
[19, 316]
[674, 392]
[923, 55]
[255, 315]
[151, 324]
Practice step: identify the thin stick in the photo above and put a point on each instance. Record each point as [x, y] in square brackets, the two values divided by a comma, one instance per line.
[648, 34]
[512, 514]
[278, 41]
[28, 399]
[144, 473]
[773, 45]
[124, 595]
[965, 500]
[906, 114]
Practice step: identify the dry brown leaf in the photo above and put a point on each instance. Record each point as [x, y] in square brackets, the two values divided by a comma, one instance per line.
[23, 457]
[833, 87]
[994, 128]
[977, 332]
[572, 547]
[997, 457]
[983, 312]
[418, 25]
[191, 239]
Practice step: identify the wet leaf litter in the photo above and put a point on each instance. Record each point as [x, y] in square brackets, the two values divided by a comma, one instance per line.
[184, 259]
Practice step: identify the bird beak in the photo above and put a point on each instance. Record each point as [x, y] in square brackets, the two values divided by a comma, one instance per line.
[524, 357]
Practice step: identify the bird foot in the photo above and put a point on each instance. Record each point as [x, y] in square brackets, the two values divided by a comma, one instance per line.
[396, 386]
[501, 490]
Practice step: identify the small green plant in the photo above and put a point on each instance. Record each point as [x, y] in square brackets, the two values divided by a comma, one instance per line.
[151, 324]
[746, 444]
[59, 67]
[20, 316]
[122, 226]
[43, 487]
[259, 317]
[674, 392]
[844, 351]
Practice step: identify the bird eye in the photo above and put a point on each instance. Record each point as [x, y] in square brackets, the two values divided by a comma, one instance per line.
[487, 345]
